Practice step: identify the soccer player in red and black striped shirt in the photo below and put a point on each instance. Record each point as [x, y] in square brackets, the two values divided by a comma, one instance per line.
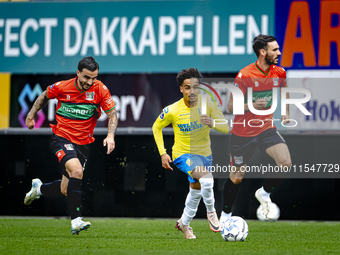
[80, 101]
[251, 130]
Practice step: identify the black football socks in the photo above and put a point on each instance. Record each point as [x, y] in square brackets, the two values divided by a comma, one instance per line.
[229, 195]
[271, 184]
[74, 197]
[51, 189]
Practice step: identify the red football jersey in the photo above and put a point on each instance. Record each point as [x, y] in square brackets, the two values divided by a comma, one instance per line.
[78, 110]
[262, 84]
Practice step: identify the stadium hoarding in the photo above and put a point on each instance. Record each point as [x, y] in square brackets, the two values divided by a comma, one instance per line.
[5, 99]
[140, 99]
[308, 33]
[324, 105]
[213, 36]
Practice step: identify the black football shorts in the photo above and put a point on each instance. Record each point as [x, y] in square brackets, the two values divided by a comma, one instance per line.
[243, 148]
[66, 150]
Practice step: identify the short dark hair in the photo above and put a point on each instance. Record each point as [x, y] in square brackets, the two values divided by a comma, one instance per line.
[187, 74]
[261, 42]
[89, 63]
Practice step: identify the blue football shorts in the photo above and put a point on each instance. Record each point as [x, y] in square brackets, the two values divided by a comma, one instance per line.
[188, 162]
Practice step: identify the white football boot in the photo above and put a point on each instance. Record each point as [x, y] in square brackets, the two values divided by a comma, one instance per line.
[186, 229]
[266, 208]
[213, 221]
[224, 217]
[78, 225]
[32, 194]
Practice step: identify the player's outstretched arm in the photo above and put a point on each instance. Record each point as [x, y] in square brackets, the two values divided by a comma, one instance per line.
[109, 141]
[39, 103]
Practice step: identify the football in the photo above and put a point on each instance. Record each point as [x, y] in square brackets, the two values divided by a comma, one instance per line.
[274, 208]
[234, 229]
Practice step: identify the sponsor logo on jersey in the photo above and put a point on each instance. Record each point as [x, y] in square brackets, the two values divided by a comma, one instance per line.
[69, 147]
[89, 96]
[77, 111]
[162, 115]
[236, 85]
[257, 84]
[164, 111]
[190, 126]
[68, 97]
[267, 95]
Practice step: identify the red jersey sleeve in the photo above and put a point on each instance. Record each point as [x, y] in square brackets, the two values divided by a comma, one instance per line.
[283, 78]
[53, 91]
[106, 102]
[240, 83]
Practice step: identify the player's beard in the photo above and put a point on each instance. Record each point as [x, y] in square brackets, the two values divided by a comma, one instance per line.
[83, 84]
[271, 61]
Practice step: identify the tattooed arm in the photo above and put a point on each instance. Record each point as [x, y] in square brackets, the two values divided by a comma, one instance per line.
[38, 105]
[112, 127]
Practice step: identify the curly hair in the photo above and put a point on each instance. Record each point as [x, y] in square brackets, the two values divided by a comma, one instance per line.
[261, 42]
[187, 74]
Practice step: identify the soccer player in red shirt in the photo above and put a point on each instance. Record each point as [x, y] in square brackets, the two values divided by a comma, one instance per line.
[80, 101]
[258, 130]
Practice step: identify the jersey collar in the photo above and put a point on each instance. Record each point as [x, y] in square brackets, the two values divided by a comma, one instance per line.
[76, 84]
[260, 69]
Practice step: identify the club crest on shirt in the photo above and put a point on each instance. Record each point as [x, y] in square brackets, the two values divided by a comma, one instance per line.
[275, 81]
[238, 160]
[69, 147]
[189, 162]
[89, 96]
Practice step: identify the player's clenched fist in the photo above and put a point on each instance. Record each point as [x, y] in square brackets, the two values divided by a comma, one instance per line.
[30, 123]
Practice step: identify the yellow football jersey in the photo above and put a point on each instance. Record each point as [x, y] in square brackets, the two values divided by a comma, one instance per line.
[191, 136]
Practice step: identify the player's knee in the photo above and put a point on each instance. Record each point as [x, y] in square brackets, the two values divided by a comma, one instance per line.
[236, 180]
[207, 181]
[77, 173]
[285, 163]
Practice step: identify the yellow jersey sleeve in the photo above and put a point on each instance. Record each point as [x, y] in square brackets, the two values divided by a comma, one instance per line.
[164, 119]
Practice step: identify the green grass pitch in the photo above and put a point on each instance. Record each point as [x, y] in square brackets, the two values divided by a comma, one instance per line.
[137, 236]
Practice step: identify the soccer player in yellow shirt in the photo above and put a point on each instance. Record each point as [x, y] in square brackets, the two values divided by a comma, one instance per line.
[191, 152]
